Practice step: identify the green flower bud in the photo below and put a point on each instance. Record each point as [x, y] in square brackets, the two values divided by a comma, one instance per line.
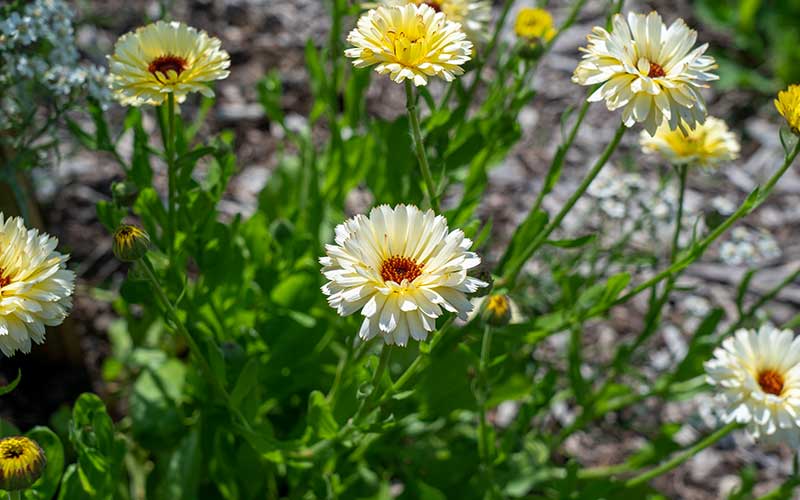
[124, 193]
[22, 461]
[130, 243]
[498, 310]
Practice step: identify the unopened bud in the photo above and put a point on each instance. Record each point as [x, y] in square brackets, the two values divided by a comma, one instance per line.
[22, 461]
[498, 310]
[130, 243]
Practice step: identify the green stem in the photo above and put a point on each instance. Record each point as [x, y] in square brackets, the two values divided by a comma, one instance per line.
[682, 172]
[171, 174]
[483, 432]
[682, 457]
[367, 403]
[510, 276]
[419, 146]
[489, 49]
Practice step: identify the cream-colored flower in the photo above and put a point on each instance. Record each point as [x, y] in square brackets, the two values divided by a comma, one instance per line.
[162, 58]
[473, 15]
[788, 105]
[650, 71]
[709, 144]
[758, 374]
[35, 285]
[402, 268]
[409, 42]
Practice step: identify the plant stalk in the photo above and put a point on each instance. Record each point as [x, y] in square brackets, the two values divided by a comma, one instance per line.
[419, 146]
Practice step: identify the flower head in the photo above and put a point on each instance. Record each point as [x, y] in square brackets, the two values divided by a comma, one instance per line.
[758, 374]
[649, 70]
[22, 461]
[402, 268]
[788, 104]
[130, 243]
[472, 15]
[534, 25]
[35, 285]
[163, 58]
[709, 144]
[498, 309]
[409, 42]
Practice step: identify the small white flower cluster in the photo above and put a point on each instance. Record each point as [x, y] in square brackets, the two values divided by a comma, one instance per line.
[37, 44]
[748, 247]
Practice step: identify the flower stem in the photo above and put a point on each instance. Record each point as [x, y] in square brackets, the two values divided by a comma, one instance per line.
[483, 430]
[419, 146]
[171, 174]
[682, 457]
[15, 495]
[514, 269]
[682, 173]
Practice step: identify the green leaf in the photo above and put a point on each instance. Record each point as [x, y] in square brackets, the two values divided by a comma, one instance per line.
[45, 487]
[741, 292]
[247, 381]
[573, 243]
[13, 385]
[320, 416]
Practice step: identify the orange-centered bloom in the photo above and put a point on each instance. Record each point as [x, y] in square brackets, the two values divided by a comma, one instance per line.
[162, 58]
[409, 42]
[650, 71]
[402, 268]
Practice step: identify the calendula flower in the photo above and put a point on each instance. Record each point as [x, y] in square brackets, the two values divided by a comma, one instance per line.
[402, 268]
[709, 144]
[22, 461]
[130, 243]
[35, 285]
[788, 104]
[409, 42]
[650, 71]
[534, 25]
[758, 374]
[163, 58]
[473, 15]
[498, 310]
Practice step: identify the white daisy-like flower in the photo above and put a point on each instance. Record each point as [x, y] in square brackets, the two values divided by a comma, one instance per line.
[649, 70]
[473, 15]
[35, 285]
[402, 268]
[758, 373]
[708, 145]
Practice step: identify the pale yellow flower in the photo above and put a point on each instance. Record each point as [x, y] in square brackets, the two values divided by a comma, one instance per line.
[650, 71]
[534, 24]
[473, 15]
[409, 42]
[788, 104]
[757, 374]
[402, 268]
[709, 144]
[35, 285]
[162, 58]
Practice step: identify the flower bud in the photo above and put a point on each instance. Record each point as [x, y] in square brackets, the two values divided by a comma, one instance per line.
[124, 193]
[498, 310]
[130, 243]
[22, 461]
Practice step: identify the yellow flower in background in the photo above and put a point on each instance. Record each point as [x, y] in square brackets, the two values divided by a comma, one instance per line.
[22, 461]
[534, 24]
[473, 15]
[409, 42]
[709, 144]
[650, 71]
[163, 58]
[758, 376]
[402, 268]
[35, 285]
[788, 104]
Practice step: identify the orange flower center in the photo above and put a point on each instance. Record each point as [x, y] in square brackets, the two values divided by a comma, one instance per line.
[164, 64]
[397, 269]
[656, 71]
[433, 4]
[4, 280]
[771, 382]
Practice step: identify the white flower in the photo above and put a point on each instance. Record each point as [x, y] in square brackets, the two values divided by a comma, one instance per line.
[401, 267]
[758, 374]
[473, 15]
[649, 70]
[709, 144]
[35, 285]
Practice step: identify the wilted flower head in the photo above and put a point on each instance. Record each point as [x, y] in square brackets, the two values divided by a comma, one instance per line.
[401, 268]
[35, 285]
[758, 374]
[649, 70]
[534, 25]
[788, 104]
[22, 461]
[163, 58]
[130, 243]
[709, 144]
[472, 15]
[409, 42]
